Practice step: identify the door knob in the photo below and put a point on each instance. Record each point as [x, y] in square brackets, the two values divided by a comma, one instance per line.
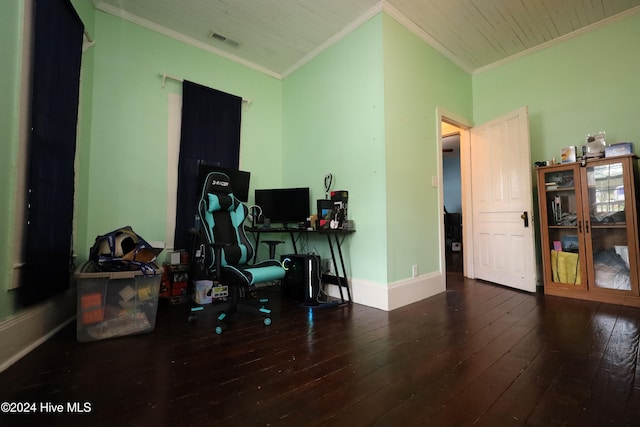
[525, 218]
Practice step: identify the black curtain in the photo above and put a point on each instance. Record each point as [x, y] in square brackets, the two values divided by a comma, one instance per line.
[210, 135]
[57, 55]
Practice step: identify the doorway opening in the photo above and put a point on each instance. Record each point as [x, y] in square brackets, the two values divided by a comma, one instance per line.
[452, 198]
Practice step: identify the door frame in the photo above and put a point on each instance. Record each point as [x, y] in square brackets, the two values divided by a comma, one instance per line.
[442, 115]
[465, 125]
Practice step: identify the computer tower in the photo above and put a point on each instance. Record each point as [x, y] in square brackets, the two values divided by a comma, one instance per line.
[301, 281]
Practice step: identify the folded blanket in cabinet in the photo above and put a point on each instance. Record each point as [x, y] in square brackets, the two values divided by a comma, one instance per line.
[611, 270]
[565, 267]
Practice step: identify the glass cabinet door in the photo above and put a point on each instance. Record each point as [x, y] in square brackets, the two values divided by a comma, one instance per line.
[611, 265]
[564, 241]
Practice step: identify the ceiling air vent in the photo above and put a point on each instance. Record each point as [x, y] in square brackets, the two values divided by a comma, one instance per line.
[223, 39]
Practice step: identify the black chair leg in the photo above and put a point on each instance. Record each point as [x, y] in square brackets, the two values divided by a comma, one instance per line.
[252, 306]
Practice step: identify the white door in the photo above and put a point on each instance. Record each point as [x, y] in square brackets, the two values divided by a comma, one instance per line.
[503, 237]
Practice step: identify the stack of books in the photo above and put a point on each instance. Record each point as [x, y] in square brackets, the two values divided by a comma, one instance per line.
[551, 185]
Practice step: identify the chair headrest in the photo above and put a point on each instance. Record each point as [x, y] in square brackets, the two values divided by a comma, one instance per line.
[217, 183]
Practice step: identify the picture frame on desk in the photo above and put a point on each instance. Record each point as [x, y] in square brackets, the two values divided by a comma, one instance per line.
[325, 214]
[340, 201]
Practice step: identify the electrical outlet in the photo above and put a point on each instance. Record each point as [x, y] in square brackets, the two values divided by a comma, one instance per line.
[414, 271]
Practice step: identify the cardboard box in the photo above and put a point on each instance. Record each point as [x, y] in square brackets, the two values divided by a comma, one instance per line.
[619, 149]
[201, 288]
[174, 257]
[113, 304]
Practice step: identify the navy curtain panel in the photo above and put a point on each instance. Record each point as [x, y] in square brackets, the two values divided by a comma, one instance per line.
[210, 134]
[57, 55]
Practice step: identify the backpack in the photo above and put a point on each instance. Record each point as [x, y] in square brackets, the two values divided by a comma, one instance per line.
[123, 249]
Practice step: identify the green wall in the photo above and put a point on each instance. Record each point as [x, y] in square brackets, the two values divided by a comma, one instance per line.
[86, 12]
[127, 171]
[372, 124]
[418, 79]
[334, 123]
[583, 85]
[11, 12]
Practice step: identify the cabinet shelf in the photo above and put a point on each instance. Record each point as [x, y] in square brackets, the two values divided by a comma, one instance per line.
[559, 189]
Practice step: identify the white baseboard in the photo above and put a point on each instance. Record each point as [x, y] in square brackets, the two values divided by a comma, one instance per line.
[392, 296]
[413, 290]
[21, 333]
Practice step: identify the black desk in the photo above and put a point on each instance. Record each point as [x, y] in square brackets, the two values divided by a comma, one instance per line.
[334, 239]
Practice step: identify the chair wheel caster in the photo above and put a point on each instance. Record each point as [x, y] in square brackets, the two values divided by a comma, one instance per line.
[267, 321]
[220, 323]
[193, 312]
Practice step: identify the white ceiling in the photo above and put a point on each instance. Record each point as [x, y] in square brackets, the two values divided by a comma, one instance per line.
[278, 36]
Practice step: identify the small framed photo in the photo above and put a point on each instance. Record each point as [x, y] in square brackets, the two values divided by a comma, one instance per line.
[568, 154]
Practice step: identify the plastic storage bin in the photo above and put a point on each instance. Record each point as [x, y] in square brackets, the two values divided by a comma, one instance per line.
[113, 304]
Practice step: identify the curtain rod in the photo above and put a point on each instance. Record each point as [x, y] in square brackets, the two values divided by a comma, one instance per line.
[87, 41]
[166, 76]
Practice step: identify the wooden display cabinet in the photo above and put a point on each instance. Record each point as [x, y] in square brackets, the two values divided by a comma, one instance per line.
[589, 230]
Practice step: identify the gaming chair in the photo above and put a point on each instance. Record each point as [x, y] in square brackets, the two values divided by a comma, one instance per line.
[228, 250]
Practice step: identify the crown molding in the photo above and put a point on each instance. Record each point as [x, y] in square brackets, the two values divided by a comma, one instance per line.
[373, 11]
[561, 39]
[415, 29]
[107, 8]
[382, 6]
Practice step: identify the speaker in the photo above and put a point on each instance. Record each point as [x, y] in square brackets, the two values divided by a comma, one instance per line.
[301, 281]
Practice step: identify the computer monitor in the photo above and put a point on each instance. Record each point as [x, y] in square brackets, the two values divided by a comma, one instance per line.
[286, 206]
[239, 179]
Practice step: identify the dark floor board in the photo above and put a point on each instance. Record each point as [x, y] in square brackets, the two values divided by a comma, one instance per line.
[580, 341]
[614, 381]
[633, 404]
[499, 364]
[519, 399]
[442, 385]
[303, 362]
[372, 351]
[429, 360]
[371, 369]
[478, 354]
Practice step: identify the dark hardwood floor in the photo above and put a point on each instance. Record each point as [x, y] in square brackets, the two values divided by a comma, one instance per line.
[477, 354]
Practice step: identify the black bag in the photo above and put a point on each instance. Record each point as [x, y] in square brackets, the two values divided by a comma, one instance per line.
[123, 249]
